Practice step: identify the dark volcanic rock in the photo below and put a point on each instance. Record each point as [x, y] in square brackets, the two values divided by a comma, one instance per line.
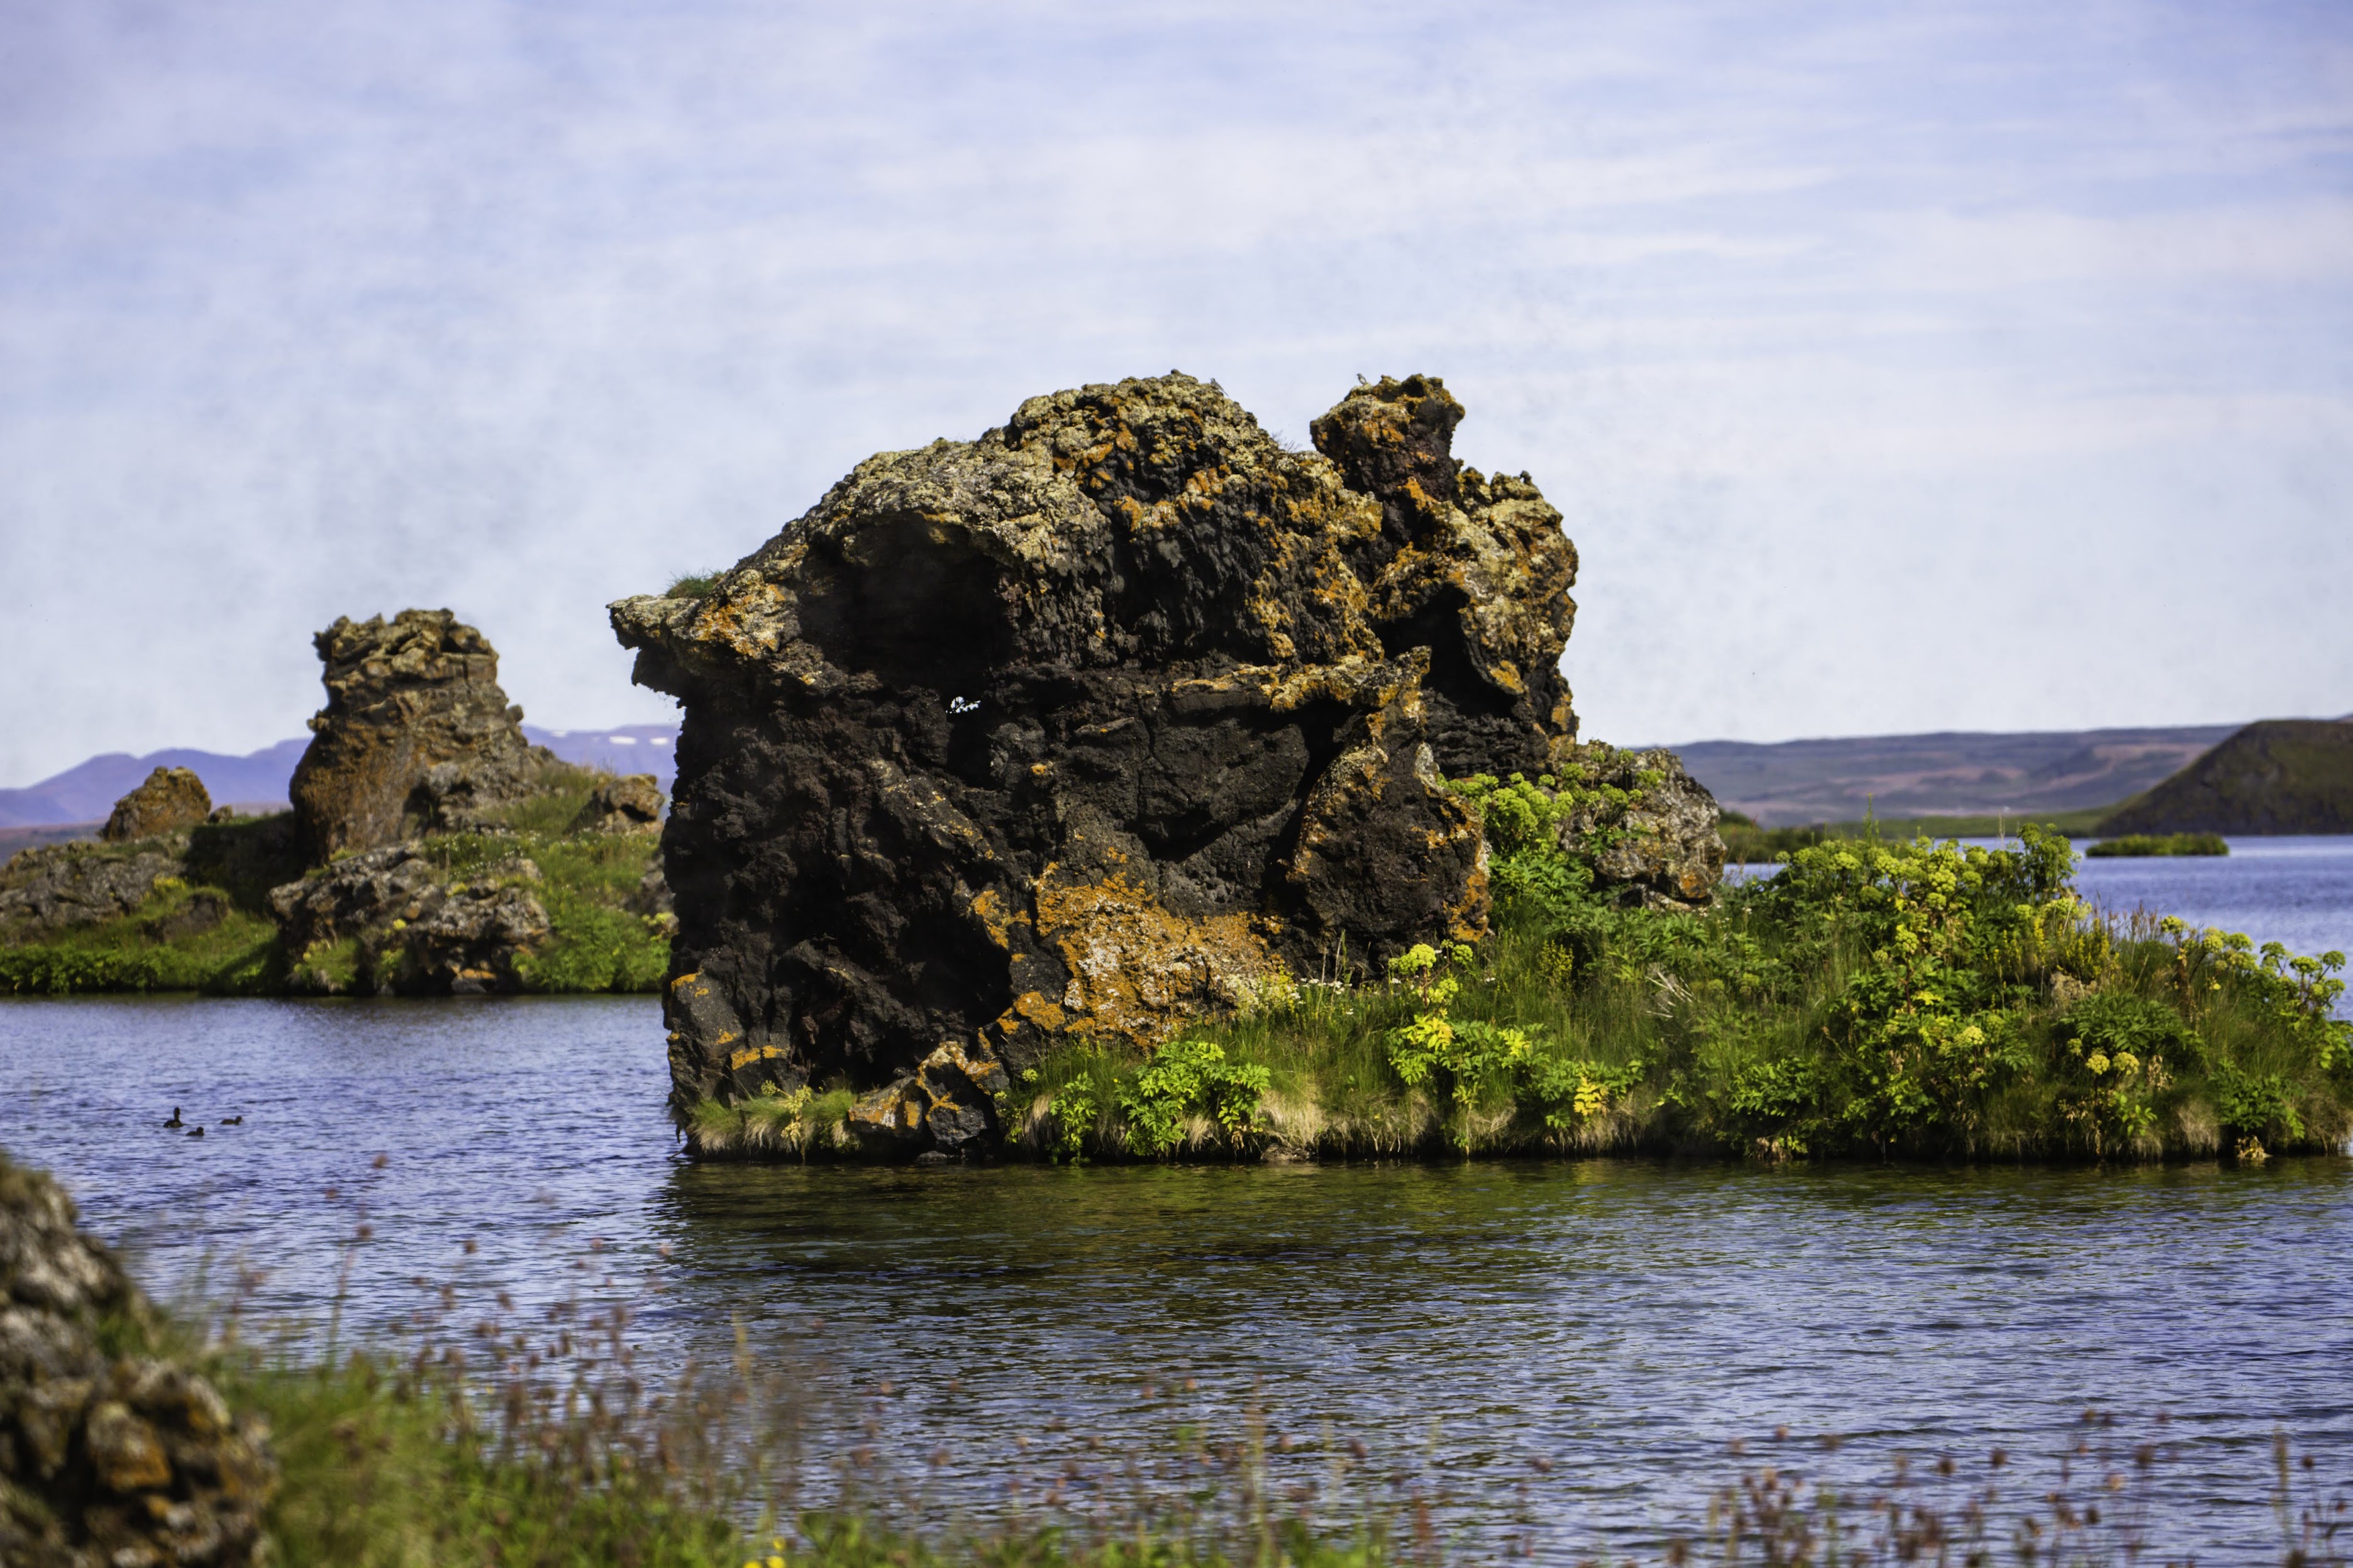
[170, 799]
[631, 803]
[415, 735]
[2281, 775]
[128, 1461]
[1476, 571]
[1084, 727]
[416, 936]
[61, 885]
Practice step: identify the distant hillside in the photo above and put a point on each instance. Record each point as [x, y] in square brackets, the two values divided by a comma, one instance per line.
[85, 793]
[2281, 776]
[629, 749]
[1950, 773]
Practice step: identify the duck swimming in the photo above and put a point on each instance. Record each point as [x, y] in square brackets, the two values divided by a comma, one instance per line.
[196, 1131]
[175, 1120]
[232, 1121]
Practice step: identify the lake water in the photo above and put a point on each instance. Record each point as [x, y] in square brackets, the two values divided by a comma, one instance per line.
[2298, 892]
[1621, 1322]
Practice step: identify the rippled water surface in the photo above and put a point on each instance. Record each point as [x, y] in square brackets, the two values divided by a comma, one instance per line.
[2293, 890]
[1622, 1321]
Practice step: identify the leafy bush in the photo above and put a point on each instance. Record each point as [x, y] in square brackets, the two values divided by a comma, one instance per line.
[1184, 1078]
[1874, 998]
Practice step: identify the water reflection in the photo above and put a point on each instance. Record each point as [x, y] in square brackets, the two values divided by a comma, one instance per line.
[1620, 1319]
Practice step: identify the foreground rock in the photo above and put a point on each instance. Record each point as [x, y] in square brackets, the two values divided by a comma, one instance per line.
[1086, 727]
[2281, 775]
[170, 799]
[417, 736]
[130, 1461]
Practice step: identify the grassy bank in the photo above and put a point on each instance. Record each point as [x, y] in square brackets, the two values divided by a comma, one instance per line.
[545, 1446]
[1874, 1000]
[209, 926]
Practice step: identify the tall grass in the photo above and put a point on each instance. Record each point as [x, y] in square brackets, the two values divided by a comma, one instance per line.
[498, 1437]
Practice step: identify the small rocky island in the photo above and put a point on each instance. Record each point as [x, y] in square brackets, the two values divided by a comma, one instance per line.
[1089, 727]
[431, 850]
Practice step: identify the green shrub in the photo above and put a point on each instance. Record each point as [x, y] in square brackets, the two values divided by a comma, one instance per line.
[1184, 1078]
[1875, 998]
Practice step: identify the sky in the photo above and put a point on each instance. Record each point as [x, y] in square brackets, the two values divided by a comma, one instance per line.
[1983, 365]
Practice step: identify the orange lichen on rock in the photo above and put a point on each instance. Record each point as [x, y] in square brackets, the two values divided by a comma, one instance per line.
[1137, 971]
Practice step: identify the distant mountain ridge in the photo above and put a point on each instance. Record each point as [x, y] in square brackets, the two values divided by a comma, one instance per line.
[1945, 774]
[89, 790]
[86, 792]
[1787, 783]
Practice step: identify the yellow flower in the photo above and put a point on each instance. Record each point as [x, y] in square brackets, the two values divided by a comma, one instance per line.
[2097, 1062]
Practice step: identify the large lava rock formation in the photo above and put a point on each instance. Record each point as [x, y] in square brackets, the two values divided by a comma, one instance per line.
[1083, 728]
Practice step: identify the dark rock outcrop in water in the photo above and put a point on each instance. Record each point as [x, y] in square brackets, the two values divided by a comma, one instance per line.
[128, 1461]
[2280, 775]
[170, 799]
[417, 735]
[1086, 727]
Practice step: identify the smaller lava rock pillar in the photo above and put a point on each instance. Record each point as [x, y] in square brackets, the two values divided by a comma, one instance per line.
[1086, 728]
[415, 735]
[170, 799]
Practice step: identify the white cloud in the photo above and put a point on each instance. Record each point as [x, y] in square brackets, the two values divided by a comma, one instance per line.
[517, 309]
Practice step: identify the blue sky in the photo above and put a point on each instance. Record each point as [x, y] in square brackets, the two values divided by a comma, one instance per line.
[1897, 368]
